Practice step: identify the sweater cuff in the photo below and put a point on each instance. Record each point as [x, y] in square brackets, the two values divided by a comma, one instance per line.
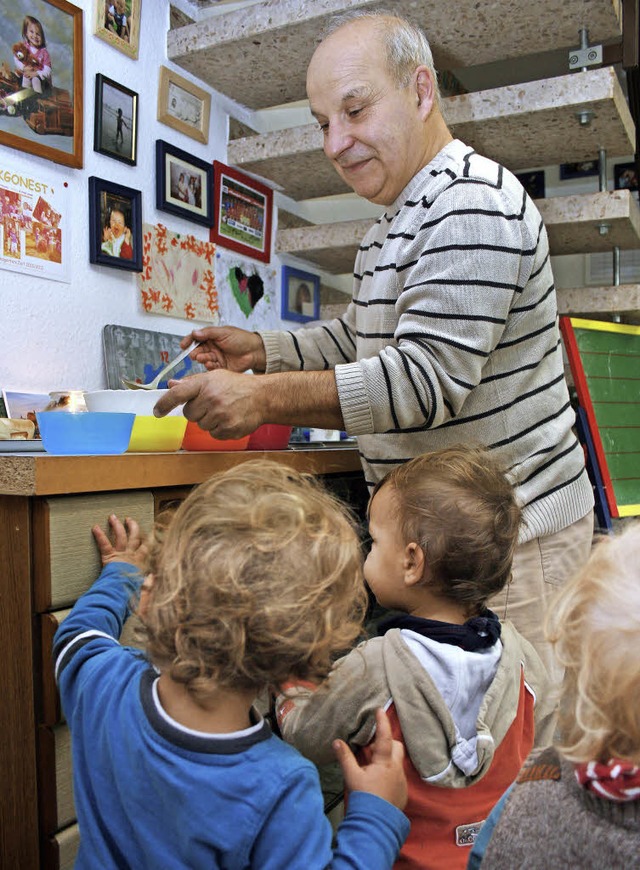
[274, 351]
[354, 403]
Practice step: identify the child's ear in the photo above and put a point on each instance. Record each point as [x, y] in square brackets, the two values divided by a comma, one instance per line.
[413, 564]
[146, 591]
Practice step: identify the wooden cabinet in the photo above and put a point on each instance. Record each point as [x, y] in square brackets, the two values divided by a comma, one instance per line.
[48, 559]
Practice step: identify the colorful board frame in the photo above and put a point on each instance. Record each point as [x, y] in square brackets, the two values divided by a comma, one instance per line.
[605, 363]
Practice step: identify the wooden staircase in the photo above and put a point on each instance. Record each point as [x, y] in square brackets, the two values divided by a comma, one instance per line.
[258, 58]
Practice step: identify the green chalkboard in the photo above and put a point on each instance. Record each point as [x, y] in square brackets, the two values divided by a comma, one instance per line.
[605, 363]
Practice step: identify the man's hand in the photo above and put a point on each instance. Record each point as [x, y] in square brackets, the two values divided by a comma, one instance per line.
[127, 543]
[227, 347]
[385, 775]
[227, 404]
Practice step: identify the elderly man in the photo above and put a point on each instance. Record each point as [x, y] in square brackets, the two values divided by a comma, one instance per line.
[451, 334]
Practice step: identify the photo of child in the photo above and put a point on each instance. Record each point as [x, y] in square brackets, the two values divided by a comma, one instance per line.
[116, 109]
[31, 58]
[116, 19]
[117, 239]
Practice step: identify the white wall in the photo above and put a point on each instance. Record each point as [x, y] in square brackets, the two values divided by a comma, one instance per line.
[51, 332]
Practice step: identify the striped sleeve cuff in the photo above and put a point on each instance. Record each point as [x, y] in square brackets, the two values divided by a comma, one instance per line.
[354, 403]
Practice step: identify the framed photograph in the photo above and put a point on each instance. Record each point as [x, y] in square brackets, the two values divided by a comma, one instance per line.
[578, 170]
[118, 23]
[300, 293]
[183, 105]
[625, 176]
[115, 130]
[41, 79]
[533, 183]
[242, 213]
[115, 225]
[184, 184]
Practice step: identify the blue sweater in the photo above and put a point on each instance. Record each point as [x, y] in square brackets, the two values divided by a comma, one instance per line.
[152, 794]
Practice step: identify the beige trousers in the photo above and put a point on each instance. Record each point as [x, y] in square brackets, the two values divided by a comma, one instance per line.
[540, 568]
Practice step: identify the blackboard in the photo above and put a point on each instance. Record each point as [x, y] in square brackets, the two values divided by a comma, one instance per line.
[605, 363]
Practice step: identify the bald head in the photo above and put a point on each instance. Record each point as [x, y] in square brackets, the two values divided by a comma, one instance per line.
[376, 103]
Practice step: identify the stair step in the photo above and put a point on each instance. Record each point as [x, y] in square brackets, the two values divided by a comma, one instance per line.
[520, 126]
[572, 225]
[587, 301]
[259, 57]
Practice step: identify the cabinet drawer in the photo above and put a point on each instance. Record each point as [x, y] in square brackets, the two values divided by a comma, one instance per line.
[49, 712]
[60, 851]
[55, 782]
[66, 560]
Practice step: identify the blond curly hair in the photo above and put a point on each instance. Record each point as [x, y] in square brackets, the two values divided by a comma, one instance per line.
[460, 507]
[257, 579]
[594, 624]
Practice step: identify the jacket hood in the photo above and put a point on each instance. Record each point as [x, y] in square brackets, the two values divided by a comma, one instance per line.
[433, 741]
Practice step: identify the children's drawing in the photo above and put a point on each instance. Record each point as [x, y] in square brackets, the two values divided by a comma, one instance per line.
[246, 292]
[177, 277]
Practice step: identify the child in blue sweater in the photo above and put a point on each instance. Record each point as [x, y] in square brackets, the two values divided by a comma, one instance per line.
[256, 579]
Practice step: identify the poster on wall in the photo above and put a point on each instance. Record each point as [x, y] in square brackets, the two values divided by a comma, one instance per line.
[34, 222]
[177, 277]
[246, 292]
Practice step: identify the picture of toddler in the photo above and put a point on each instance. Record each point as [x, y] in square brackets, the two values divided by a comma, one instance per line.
[31, 58]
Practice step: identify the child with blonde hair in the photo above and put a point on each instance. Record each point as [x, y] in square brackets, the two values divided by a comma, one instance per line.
[577, 804]
[465, 692]
[257, 577]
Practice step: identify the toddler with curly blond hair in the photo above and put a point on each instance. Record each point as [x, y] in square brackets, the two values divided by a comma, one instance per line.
[257, 578]
[581, 797]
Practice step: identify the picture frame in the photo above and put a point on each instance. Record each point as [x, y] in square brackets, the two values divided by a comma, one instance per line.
[625, 176]
[115, 225]
[533, 183]
[183, 105]
[300, 292]
[118, 23]
[184, 184]
[580, 169]
[41, 112]
[242, 213]
[116, 117]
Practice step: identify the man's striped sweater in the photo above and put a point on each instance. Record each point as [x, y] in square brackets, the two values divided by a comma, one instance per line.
[451, 336]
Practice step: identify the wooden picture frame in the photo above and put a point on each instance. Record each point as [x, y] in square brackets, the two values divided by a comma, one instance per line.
[183, 105]
[115, 225]
[242, 213]
[118, 23]
[300, 292]
[184, 184]
[116, 118]
[44, 100]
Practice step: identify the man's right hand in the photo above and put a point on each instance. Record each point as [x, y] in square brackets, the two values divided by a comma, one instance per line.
[227, 347]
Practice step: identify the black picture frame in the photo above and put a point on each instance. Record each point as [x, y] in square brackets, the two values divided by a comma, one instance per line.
[295, 306]
[184, 184]
[533, 183]
[625, 176]
[116, 111]
[580, 169]
[106, 197]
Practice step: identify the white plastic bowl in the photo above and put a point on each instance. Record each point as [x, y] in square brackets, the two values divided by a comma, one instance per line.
[140, 402]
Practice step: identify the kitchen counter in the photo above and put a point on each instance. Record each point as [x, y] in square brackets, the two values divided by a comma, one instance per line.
[47, 506]
[45, 474]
